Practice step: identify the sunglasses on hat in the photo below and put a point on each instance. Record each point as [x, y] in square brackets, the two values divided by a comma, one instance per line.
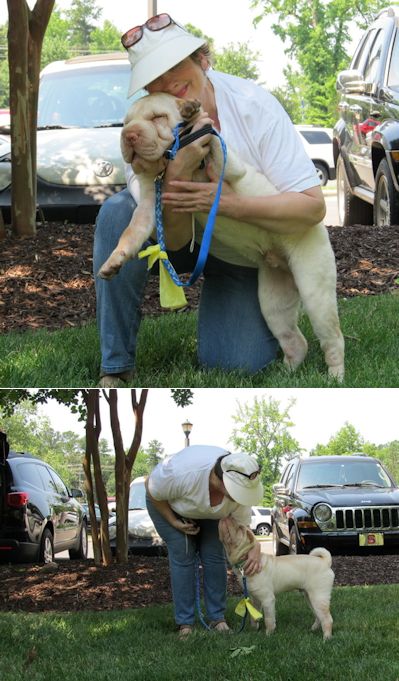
[156, 23]
[251, 476]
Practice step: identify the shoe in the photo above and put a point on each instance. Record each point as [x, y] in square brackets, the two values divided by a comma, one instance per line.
[116, 380]
[185, 630]
[221, 626]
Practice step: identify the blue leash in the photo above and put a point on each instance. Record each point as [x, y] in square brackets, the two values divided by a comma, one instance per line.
[208, 232]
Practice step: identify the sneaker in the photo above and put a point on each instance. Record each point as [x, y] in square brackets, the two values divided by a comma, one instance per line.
[185, 630]
[221, 626]
[116, 380]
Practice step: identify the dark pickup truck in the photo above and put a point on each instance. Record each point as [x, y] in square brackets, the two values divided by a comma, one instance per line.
[366, 136]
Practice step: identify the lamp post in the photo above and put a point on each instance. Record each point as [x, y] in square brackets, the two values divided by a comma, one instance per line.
[187, 428]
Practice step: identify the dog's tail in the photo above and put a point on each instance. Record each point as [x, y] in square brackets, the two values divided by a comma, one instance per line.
[322, 553]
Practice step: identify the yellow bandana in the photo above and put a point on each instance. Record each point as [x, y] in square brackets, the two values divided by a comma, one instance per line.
[244, 605]
[170, 294]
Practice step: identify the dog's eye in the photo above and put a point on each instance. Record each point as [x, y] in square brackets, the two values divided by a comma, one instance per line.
[159, 119]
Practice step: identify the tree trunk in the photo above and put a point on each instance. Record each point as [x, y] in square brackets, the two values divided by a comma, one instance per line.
[2, 227]
[25, 38]
[93, 430]
[124, 464]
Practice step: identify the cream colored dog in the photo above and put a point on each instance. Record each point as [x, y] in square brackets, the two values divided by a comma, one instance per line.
[311, 574]
[291, 267]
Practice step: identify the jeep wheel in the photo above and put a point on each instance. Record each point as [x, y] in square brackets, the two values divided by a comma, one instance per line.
[263, 530]
[386, 200]
[81, 552]
[351, 209]
[295, 545]
[322, 173]
[46, 550]
[279, 549]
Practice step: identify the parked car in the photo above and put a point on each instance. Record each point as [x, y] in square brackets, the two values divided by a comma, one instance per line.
[82, 103]
[39, 515]
[142, 535]
[366, 136]
[87, 513]
[318, 145]
[261, 520]
[340, 502]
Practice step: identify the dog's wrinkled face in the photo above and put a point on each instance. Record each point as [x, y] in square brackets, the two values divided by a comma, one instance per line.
[148, 125]
[236, 539]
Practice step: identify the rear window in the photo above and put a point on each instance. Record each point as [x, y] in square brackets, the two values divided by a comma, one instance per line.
[137, 496]
[316, 136]
[28, 473]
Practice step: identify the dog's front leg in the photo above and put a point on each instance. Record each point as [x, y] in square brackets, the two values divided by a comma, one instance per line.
[269, 614]
[136, 233]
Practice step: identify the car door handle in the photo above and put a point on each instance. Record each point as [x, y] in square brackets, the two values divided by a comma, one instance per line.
[355, 108]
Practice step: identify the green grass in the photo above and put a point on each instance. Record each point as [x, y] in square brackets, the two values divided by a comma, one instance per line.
[142, 644]
[167, 354]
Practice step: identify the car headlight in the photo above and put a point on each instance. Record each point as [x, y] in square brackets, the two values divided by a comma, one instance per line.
[322, 512]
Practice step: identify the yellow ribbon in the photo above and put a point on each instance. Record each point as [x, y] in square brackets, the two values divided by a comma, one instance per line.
[245, 604]
[170, 294]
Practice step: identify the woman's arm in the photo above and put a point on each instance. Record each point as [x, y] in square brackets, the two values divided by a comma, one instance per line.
[164, 508]
[286, 213]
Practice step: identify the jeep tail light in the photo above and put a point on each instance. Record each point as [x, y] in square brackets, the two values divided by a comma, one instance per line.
[17, 499]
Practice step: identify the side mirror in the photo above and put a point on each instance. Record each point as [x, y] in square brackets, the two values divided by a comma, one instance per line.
[350, 80]
[76, 493]
[278, 488]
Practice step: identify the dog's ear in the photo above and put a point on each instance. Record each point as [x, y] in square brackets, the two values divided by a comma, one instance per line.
[188, 108]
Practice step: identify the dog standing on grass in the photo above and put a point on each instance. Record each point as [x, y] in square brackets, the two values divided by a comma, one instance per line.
[291, 267]
[311, 574]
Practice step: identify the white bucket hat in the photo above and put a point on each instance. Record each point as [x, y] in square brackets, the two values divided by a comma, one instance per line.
[157, 52]
[241, 478]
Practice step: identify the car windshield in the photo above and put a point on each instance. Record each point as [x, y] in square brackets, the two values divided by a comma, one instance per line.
[84, 97]
[137, 496]
[345, 474]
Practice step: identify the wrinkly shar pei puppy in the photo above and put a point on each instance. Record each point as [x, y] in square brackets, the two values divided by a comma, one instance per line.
[291, 267]
[311, 574]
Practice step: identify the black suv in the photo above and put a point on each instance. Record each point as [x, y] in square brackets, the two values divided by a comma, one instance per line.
[340, 502]
[366, 137]
[39, 515]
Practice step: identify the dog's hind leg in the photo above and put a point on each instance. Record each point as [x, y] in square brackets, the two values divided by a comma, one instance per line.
[315, 277]
[321, 609]
[279, 302]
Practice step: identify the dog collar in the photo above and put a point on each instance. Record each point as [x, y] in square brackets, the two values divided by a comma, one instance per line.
[184, 137]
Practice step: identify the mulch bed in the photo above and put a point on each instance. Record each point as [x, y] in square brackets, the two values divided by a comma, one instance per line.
[80, 585]
[46, 282]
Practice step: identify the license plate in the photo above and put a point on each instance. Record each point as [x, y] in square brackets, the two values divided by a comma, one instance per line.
[371, 539]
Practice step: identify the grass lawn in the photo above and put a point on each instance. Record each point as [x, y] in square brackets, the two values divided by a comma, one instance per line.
[166, 354]
[142, 645]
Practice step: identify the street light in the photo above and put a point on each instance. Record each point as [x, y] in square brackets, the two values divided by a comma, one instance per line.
[187, 428]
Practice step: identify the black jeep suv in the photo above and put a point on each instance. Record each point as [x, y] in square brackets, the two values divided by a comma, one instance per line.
[340, 502]
[39, 516]
[366, 137]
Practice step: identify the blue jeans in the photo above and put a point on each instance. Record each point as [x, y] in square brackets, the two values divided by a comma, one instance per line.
[232, 333]
[182, 549]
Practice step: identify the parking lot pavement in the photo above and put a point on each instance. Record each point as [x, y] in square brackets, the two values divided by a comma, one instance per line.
[266, 545]
[64, 555]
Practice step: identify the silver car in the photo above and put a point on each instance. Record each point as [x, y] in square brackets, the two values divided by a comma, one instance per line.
[82, 103]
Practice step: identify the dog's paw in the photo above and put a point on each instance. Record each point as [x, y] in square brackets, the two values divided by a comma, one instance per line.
[337, 372]
[112, 265]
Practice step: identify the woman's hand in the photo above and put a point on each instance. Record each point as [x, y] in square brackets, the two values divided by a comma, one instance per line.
[253, 564]
[189, 158]
[192, 197]
[186, 526]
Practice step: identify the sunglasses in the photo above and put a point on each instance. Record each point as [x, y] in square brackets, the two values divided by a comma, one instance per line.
[157, 23]
[252, 476]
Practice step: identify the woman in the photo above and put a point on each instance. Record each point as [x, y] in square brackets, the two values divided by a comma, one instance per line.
[232, 333]
[186, 496]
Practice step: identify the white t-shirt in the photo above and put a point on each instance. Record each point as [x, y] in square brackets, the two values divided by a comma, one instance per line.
[255, 125]
[183, 481]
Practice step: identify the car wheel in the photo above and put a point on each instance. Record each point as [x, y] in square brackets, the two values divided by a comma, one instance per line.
[386, 199]
[81, 552]
[279, 549]
[263, 530]
[295, 545]
[351, 209]
[322, 173]
[46, 549]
